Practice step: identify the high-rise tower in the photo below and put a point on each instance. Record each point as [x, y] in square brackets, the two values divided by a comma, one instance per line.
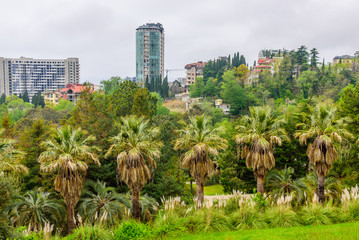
[149, 52]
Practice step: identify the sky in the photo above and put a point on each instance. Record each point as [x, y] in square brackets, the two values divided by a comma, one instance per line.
[102, 33]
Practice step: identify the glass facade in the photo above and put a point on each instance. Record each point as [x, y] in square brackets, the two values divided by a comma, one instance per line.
[149, 52]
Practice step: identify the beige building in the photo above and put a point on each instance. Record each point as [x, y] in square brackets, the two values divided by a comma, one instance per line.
[51, 97]
[18, 75]
[193, 71]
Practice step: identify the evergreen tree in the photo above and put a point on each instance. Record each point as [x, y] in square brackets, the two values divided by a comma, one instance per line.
[152, 84]
[165, 88]
[314, 58]
[147, 84]
[2, 98]
[242, 60]
[25, 97]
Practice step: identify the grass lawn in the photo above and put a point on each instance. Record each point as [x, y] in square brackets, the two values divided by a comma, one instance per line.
[210, 190]
[328, 232]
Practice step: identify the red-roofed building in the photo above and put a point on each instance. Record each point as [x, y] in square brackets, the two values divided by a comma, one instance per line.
[194, 70]
[73, 90]
[70, 93]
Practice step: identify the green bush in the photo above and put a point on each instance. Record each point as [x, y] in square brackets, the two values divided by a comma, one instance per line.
[281, 216]
[317, 214]
[96, 232]
[169, 223]
[248, 218]
[131, 230]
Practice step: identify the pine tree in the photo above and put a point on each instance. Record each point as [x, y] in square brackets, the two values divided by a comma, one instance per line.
[242, 60]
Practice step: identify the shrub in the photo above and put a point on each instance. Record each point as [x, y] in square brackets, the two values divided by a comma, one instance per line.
[131, 230]
[317, 214]
[282, 216]
[248, 217]
[169, 223]
[89, 233]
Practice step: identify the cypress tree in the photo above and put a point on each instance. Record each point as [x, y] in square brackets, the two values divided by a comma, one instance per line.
[165, 88]
[2, 98]
[25, 97]
[147, 84]
[152, 84]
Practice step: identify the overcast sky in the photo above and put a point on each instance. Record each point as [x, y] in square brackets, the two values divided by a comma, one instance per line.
[102, 33]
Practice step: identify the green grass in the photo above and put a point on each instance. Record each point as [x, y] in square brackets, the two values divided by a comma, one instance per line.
[328, 232]
[210, 190]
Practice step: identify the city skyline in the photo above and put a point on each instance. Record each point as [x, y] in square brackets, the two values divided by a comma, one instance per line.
[102, 34]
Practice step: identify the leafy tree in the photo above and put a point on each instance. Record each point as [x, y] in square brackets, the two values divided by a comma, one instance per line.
[66, 155]
[197, 89]
[136, 147]
[102, 205]
[308, 84]
[210, 88]
[200, 141]
[233, 93]
[122, 98]
[35, 209]
[143, 103]
[64, 105]
[257, 136]
[111, 85]
[169, 178]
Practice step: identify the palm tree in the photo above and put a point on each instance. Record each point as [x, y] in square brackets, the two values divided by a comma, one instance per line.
[67, 155]
[200, 141]
[333, 187]
[100, 204]
[10, 158]
[326, 128]
[257, 136]
[35, 209]
[283, 185]
[136, 147]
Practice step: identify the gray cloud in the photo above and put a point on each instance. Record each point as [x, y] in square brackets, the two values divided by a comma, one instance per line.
[102, 33]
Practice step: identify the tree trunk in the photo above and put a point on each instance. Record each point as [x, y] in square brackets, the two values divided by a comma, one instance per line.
[70, 218]
[200, 195]
[136, 205]
[191, 186]
[321, 196]
[260, 184]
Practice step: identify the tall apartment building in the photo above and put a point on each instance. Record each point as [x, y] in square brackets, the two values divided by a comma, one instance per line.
[149, 51]
[18, 75]
[193, 71]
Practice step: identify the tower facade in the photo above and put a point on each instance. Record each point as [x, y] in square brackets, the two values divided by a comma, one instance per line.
[149, 52]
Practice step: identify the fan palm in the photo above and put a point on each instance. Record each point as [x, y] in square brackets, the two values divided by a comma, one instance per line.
[283, 185]
[257, 136]
[100, 204]
[35, 209]
[136, 147]
[333, 187]
[10, 158]
[200, 141]
[67, 155]
[325, 128]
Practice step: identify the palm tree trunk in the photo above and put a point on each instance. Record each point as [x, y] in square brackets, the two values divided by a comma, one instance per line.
[200, 195]
[321, 196]
[260, 184]
[136, 204]
[70, 218]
